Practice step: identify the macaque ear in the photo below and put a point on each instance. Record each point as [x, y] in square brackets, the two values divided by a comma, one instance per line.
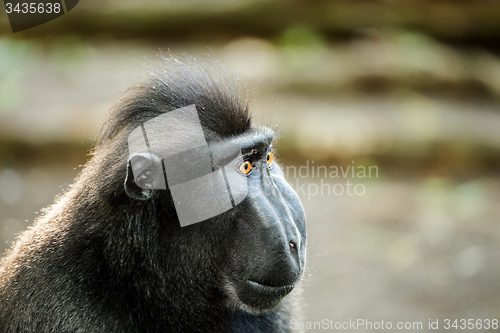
[144, 174]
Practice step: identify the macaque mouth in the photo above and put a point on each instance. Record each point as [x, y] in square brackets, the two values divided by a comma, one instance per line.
[261, 288]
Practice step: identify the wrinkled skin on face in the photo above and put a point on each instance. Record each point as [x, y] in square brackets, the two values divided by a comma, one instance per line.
[269, 250]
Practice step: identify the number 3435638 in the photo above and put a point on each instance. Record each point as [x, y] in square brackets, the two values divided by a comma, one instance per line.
[470, 324]
[32, 8]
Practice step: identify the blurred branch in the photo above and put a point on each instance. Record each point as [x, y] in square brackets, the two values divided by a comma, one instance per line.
[151, 19]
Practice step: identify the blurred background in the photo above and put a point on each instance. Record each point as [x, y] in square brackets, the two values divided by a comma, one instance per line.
[411, 88]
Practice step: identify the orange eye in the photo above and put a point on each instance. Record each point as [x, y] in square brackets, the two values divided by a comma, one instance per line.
[269, 157]
[245, 167]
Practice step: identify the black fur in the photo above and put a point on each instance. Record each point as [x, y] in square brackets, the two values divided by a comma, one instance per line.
[101, 261]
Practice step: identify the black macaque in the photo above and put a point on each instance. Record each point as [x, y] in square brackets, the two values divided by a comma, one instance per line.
[110, 256]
